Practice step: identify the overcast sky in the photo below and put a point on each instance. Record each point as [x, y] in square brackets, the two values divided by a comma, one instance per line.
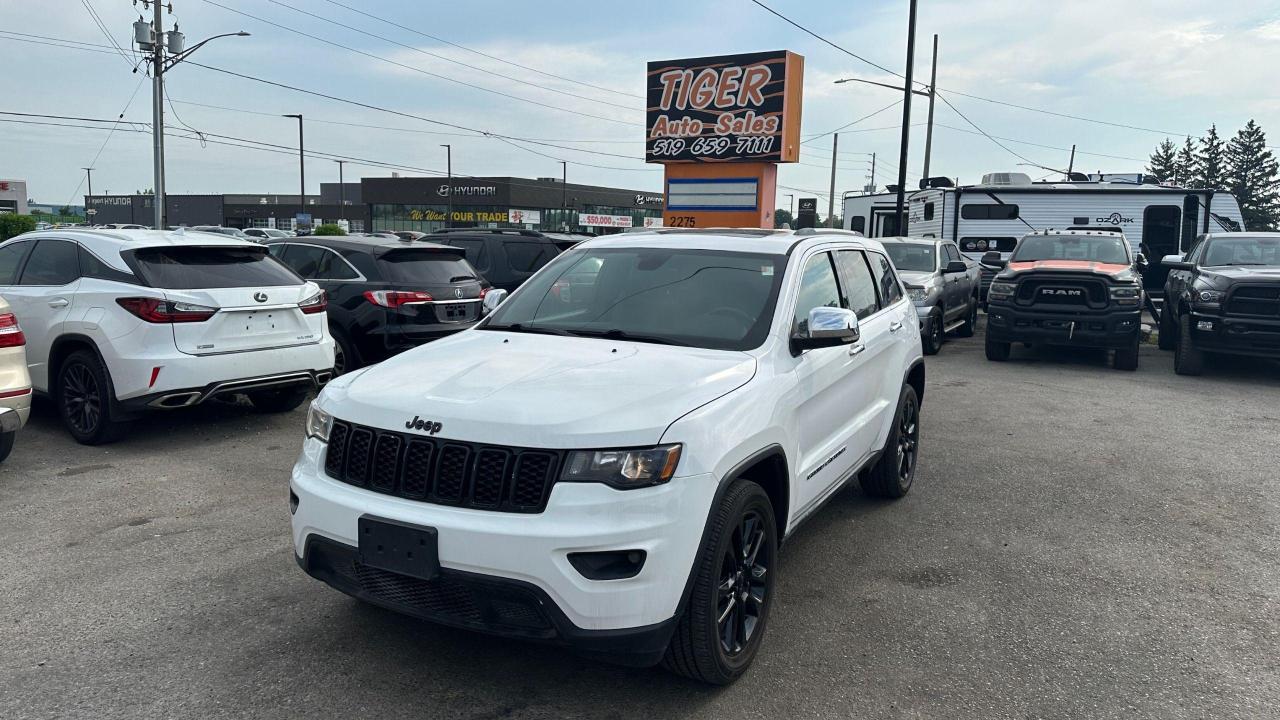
[1171, 65]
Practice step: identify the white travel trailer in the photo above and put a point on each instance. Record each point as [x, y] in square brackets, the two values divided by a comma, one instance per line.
[1157, 220]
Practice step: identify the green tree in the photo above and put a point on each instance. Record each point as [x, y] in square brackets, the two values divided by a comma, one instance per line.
[1253, 176]
[1163, 162]
[783, 217]
[12, 224]
[1210, 168]
[329, 229]
[65, 210]
[1184, 164]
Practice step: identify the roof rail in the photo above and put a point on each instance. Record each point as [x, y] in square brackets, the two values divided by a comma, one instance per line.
[495, 231]
[827, 231]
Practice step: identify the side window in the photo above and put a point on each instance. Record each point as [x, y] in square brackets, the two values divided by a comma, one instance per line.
[928, 211]
[855, 278]
[890, 290]
[952, 253]
[277, 250]
[858, 224]
[306, 260]
[527, 256]
[53, 263]
[476, 253]
[10, 257]
[818, 288]
[92, 267]
[989, 211]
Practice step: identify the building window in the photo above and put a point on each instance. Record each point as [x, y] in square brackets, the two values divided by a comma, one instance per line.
[858, 224]
[989, 211]
[928, 211]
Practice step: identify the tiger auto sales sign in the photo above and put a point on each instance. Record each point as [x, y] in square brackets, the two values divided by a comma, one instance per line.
[727, 108]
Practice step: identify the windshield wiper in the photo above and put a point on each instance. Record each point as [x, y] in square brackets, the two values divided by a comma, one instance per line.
[616, 334]
[532, 329]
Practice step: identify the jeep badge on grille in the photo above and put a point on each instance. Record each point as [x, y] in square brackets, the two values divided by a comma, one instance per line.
[430, 426]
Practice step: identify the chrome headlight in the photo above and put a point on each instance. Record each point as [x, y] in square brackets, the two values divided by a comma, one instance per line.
[1002, 289]
[1126, 295]
[623, 469]
[1211, 296]
[918, 294]
[319, 423]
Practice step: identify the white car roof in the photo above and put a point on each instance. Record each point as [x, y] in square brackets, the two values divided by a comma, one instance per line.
[106, 244]
[752, 240]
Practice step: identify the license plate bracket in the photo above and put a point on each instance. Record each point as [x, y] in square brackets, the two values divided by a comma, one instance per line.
[399, 547]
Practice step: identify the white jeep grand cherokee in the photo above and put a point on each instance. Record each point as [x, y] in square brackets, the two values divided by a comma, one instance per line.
[610, 460]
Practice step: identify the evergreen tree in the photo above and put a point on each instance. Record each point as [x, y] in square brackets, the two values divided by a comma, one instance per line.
[1163, 162]
[1184, 165]
[1210, 170]
[1253, 176]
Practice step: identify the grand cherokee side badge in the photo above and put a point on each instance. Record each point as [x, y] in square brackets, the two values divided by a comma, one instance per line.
[431, 427]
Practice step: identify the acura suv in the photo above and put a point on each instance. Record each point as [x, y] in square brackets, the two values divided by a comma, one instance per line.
[613, 468]
[118, 322]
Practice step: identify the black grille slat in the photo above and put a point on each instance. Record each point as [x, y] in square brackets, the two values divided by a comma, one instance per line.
[359, 453]
[451, 473]
[386, 463]
[1255, 301]
[490, 477]
[442, 472]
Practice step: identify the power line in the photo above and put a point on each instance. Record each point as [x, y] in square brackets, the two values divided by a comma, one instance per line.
[482, 54]
[804, 29]
[851, 124]
[428, 73]
[93, 15]
[1040, 145]
[446, 58]
[50, 43]
[110, 133]
[1004, 147]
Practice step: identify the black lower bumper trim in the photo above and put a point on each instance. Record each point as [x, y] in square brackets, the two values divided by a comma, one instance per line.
[189, 397]
[497, 606]
[1104, 330]
[1254, 337]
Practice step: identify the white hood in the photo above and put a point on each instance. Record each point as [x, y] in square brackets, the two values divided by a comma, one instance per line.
[545, 391]
[915, 278]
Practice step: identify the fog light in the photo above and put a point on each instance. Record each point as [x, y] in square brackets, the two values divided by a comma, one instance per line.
[614, 565]
[293, 503]
[1204, 325]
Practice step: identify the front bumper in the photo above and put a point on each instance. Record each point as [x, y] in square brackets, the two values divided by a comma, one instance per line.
[12, 419]
[527, 554]
[1258, 337]
[1106, 329]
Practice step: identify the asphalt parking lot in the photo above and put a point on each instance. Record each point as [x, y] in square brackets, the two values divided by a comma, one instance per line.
[1080, 543]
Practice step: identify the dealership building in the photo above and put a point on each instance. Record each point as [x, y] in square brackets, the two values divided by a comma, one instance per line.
[398, 203]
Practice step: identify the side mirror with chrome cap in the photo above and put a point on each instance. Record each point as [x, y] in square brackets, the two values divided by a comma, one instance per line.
[1140, 262]
[827, 327]
[1175, 262]
[493, 299]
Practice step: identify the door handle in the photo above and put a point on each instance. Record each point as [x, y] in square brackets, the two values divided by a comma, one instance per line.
[856, 349]
[895, 326]
[59, 303]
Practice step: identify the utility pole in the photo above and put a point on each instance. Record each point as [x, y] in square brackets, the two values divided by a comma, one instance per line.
[302, 167]
[899, 215]
[873, 174]
[791, 206]
[564, 195]
[831, 198]
[342, 192]
[89, 174]
[448, 163]
[933, 92]
[1071, 166]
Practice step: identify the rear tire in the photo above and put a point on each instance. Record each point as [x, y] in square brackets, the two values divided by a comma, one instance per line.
[345, 357]
[85, 398]
[893, 473]
[278, 401]
[1187, 359]
[1168, 337]
[718, 636]
[1127, 358]
[970, 326]
[932, 342]
[6, 444]
[997, 351]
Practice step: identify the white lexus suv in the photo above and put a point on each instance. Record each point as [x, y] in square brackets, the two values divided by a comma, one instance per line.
[118, 322]
[610, 460]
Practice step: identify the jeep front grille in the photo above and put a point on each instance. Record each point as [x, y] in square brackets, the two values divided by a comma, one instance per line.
[442, 472]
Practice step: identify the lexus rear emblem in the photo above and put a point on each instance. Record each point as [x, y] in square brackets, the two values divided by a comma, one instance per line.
[260, 296]
[457, 292]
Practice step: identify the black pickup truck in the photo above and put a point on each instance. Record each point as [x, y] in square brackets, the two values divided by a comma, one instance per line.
[1067, 287]
[1223, 297]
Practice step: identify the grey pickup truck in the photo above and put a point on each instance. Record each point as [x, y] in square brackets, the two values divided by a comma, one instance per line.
[942, 284]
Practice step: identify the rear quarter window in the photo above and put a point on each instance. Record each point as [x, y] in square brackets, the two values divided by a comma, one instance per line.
[191, 268]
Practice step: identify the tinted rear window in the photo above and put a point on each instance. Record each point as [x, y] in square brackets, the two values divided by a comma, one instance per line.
[425, 266]
[191, 268]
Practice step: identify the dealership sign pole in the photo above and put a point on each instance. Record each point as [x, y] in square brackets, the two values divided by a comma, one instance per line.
[720, 125]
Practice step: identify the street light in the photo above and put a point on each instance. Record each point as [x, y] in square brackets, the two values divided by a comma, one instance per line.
[302, 168]
[448, 165]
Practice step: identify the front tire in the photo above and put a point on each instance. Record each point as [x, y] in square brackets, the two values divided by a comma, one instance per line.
[1127, 357]
[1187, 359]
[997, 351]
[1168, 337]
[6, 444]
[893, 473]
[85, 399]
[722, 628]
[970, 326]
[932, 342]
[277, 401]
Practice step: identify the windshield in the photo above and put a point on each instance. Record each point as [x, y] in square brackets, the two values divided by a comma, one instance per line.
[426, 266]
[1242, 251]
[911, 256]
[1110, 249]
[701, 298]
[191, 268]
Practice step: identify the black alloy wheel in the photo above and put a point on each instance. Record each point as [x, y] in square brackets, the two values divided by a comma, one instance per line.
[933, 341]
[81, 399]
[908, 442]
[970, 326]
[743, 588]
[339, 360]
[893, 474]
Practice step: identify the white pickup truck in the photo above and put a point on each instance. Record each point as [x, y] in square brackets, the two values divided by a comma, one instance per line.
[610, 460]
